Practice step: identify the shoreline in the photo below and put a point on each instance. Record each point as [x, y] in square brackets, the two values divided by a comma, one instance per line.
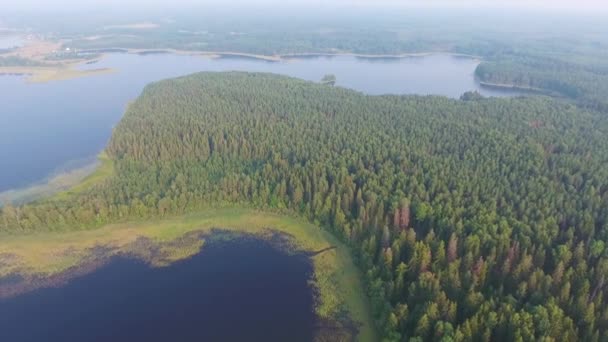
[69, 71]
[275, 57]
[514, 87]
[379, 56]
[60, 184]
[44, 74]
[140, 248]
[58, 71]
[49, 259]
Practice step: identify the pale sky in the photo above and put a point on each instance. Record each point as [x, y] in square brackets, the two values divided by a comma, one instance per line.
[578, 5]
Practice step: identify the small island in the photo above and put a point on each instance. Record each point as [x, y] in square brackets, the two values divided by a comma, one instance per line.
[329, 79]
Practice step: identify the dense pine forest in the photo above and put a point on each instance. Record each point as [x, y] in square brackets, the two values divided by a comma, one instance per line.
[471, 220]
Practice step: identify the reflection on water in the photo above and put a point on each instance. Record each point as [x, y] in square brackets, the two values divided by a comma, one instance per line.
[44, 126]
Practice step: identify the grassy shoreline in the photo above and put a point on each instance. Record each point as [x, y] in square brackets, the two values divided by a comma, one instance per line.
[515, 87]
[104, 169]
[51, 73]
[336, 277]
[64, 184]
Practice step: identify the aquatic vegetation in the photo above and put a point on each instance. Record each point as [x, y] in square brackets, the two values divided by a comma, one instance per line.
[337, 281]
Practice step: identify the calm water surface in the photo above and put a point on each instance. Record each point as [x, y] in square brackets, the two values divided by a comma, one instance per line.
[243, 290]
[47, 127]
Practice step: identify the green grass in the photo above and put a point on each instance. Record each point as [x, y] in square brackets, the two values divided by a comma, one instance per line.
[63, 185]
[335, 275]
[104, 170]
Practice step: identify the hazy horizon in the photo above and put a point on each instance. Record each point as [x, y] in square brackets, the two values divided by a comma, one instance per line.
[592, 6]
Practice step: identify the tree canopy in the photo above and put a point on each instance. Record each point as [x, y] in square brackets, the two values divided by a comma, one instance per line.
[481, 220]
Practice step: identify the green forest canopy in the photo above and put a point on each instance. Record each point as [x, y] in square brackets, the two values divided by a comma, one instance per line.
[471, 220]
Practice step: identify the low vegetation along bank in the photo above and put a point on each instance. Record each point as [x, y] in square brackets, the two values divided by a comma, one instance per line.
[64, 184]
[49, 259]
[36, 74]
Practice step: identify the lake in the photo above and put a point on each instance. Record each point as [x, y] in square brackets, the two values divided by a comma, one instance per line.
[238, 290]
[50, 127]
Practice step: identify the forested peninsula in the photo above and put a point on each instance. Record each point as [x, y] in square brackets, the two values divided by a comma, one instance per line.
[477, 219]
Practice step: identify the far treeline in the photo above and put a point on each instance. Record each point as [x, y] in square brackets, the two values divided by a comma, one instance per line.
[586, 83]
[559, 54]
[472, 220]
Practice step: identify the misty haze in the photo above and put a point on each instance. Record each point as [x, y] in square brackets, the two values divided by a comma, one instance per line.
[344, 170]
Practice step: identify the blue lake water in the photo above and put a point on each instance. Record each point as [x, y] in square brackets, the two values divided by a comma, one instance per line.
[241, 290]
[48, 127]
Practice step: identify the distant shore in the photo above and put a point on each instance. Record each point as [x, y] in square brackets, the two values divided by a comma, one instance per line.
[379, 56]
[510, 86]
[68, 68]
[41, 74]
[51, 73]
[275, 57]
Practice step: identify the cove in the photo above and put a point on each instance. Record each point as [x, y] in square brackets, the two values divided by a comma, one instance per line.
[49, 128]
[243, 289]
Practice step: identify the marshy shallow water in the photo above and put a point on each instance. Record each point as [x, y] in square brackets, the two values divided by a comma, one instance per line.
[240, 289]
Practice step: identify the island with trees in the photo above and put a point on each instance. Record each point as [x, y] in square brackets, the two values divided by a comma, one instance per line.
[329, 79]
